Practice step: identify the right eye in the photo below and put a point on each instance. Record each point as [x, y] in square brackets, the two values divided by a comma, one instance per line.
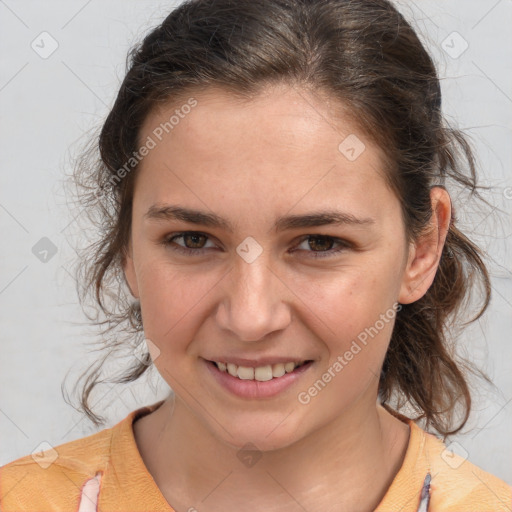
[194, 238]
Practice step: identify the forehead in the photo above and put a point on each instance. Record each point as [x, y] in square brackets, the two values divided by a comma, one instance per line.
[282, 142]
[292, 113]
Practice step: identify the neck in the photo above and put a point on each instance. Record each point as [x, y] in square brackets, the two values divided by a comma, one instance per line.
[349, 463]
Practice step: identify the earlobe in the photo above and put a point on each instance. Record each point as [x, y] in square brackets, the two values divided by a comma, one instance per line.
[425, 254]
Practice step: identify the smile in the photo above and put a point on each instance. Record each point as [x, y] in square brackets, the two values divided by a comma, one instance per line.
[257, 383]
[260, 373]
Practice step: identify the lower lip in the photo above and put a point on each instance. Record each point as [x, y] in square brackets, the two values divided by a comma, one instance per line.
[254, 388]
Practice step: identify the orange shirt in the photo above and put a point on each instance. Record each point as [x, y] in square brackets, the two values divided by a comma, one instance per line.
[59, 478]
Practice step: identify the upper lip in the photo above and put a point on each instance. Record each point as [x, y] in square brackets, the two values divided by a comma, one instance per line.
[254, 363]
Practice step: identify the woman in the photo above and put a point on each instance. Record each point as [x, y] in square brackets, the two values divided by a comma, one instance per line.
[274, 179]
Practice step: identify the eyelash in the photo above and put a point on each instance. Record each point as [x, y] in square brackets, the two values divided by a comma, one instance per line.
[169, 242]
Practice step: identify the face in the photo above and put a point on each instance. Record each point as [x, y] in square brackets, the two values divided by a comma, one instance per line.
[286, 248]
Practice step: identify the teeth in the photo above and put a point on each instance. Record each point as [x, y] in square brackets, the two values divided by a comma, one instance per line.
[245, 373]
[232, 368]
[261, 373]
[289, 367]
[278, 370]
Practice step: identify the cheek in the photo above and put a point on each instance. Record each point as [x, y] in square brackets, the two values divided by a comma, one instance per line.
[353, 317]
[346, 301]
[352, 314]
[172, 302]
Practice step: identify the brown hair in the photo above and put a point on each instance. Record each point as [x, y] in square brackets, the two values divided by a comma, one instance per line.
[361, 52]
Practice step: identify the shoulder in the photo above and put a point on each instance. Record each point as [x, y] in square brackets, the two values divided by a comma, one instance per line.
[61, 477]
[54, 477]
[457, 484]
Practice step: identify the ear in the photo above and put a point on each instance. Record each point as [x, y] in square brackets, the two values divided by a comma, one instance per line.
[425, 253]
[129, 271]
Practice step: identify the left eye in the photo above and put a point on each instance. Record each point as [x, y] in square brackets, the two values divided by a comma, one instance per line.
[194, 243]
[324, 243]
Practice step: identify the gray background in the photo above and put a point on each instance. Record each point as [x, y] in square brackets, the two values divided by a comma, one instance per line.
[48, 104]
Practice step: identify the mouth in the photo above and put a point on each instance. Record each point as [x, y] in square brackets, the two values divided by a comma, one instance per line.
[259, 373]
[260, 382]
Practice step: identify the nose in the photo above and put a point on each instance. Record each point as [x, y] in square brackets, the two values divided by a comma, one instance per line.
[254, 302]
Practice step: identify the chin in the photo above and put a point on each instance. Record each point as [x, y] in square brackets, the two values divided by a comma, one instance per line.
[262, 436]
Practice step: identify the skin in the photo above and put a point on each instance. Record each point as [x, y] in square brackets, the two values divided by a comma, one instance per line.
[250, 163]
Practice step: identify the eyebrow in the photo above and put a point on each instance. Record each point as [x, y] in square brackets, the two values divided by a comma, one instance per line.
[166, 212]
